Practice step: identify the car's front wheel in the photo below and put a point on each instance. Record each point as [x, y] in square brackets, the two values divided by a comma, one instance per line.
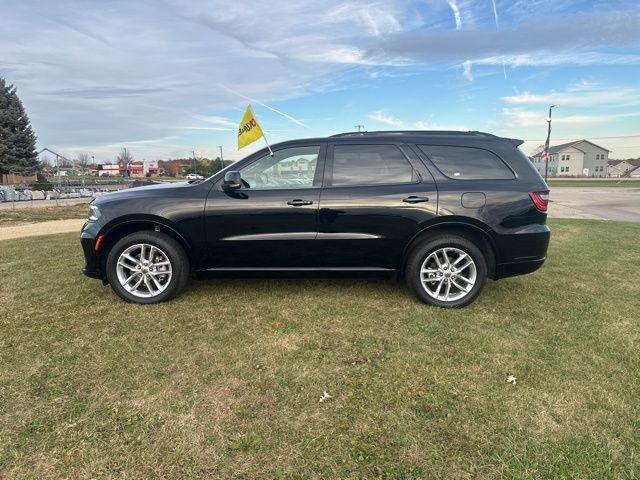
[147, 267]
[448, 271]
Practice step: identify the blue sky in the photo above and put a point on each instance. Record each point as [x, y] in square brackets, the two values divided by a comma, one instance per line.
[163, 77]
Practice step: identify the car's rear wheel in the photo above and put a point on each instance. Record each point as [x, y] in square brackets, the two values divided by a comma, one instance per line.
[448, 271]
[147, 267]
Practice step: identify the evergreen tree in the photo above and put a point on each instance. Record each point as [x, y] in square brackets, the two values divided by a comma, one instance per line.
[42, 183]
[215, 166]
[17, 140]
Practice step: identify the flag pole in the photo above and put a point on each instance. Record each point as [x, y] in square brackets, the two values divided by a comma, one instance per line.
[546, 144]
[268, 146]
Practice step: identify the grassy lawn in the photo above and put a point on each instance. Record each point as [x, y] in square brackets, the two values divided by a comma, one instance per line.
[625, 182]
[42, 214]
[225, 381]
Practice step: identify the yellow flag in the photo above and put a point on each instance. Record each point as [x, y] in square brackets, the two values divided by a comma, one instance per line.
[249, 129]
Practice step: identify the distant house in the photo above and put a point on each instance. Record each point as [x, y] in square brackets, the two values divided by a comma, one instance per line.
[300, 166]
[575, 159]
[146, 168]
[624, 168]
[109, 170]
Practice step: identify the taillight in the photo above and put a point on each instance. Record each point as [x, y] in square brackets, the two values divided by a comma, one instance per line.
[540, 199]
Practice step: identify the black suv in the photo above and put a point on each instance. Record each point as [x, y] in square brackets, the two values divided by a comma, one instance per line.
[444, 209]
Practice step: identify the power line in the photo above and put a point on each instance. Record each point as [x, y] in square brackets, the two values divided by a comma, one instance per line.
[592, 138]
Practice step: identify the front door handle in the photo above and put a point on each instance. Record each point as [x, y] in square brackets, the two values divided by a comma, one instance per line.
[414, 199]
[299, 202]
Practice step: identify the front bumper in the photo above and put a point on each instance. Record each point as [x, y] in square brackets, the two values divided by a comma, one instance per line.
[88, 237]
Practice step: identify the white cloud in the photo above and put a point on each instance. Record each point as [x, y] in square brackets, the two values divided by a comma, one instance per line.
[495, 13]
[216, 120]
[556, 37]
[466, 70]
[529, 118]
[421, 125]
[150, 71]
[275, 110]
[377, 18]
[579, 95]
[379, 116]
[456, 14]
[552, 59]
[210, 129]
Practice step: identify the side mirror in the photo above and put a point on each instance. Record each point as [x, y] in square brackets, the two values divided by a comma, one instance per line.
[232, 180]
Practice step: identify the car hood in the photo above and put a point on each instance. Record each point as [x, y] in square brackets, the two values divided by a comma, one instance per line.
[155, 190]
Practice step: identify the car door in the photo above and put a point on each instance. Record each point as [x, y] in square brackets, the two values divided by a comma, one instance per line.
[271, 221]
[374, 197]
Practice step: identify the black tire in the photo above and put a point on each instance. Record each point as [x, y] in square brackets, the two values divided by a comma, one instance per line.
[174, 252]
[421, 252]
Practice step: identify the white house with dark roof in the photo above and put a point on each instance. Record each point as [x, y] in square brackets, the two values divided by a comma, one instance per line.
[624, 168]
[575, 159]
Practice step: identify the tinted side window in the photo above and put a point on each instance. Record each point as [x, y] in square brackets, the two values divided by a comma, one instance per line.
[370, 165]
[288, 168]
[467, 163]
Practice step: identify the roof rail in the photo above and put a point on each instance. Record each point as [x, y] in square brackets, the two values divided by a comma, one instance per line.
[412, 132]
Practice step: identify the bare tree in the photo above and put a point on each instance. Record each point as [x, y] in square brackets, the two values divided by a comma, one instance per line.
[83, 160]
[124, 157]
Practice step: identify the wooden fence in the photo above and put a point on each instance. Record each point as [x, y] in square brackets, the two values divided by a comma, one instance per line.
[17, 179]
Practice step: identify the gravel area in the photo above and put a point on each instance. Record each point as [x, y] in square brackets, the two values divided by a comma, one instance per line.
[41, 228]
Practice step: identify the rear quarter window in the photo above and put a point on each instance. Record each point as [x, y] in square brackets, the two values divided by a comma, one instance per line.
[467, 163]
[370, 165]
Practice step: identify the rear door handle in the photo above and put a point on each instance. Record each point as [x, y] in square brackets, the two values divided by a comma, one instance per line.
[414, 199]
[299, 202]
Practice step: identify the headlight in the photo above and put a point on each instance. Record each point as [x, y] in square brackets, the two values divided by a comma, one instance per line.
[94, 213]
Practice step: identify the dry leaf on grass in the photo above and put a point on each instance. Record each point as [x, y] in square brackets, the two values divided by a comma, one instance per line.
[325, 396]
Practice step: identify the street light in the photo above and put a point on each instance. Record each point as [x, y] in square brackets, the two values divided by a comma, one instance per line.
[195, 164]
[221, 160]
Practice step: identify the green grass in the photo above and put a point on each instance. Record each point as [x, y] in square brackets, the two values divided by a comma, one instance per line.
[19, 216]
[625, 182]
[225, 381]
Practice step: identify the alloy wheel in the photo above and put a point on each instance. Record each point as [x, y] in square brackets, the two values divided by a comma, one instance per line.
[448, 274]
[144, 270]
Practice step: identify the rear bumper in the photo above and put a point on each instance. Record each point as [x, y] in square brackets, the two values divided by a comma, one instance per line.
[523, 250]
[512, 269]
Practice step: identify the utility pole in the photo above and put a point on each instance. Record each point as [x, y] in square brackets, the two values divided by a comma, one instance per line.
[195, 165]
[360, 128]
[546, 144]
[59, 179]
[221, 159]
